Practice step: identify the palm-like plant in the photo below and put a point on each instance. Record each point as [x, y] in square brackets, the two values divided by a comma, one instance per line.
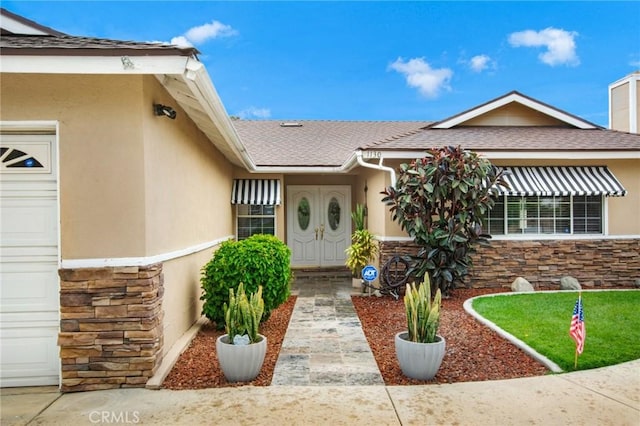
[242, 315]
[363, 250]
[423, 312]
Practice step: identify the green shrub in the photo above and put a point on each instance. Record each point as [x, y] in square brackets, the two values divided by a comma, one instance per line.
[260, 260]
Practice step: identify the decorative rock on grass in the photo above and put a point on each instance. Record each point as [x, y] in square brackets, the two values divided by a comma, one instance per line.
[569, 283]
[520, 285]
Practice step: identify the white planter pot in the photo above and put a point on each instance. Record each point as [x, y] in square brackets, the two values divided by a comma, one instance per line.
[240, 363]
[419, 361]
[356, 282]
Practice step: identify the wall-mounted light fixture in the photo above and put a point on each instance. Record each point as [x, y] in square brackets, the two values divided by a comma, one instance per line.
[165, 111]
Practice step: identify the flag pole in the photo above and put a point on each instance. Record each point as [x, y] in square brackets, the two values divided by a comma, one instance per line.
[575, 358]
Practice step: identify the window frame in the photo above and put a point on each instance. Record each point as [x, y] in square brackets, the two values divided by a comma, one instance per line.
[238, 216]
[538, 236]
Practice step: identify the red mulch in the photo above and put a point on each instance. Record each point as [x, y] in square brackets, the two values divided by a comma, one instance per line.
[474, 352]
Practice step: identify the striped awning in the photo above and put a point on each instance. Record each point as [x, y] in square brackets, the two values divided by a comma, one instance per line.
[562, 181]
[256, 191]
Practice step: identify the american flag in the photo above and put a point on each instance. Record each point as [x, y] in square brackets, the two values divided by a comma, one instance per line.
[577, 330]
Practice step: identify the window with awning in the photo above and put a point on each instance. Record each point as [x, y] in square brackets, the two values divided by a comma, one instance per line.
[255, 201]
[256, 192]
[553, 200]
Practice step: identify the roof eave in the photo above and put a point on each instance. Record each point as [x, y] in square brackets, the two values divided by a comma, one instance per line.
[184, 77]
[521, 154]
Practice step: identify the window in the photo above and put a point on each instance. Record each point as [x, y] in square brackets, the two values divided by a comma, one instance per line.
[587, 215]
[545, 215]
[255, 219]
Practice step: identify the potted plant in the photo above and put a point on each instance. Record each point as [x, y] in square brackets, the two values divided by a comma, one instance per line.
[242, 349]
[420, 349]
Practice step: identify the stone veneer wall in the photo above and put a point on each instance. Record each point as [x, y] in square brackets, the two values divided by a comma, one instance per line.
[110, 327]
[594, 262]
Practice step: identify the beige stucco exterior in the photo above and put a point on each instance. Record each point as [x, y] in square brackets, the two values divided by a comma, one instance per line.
[132, 185]
[622, 211]
[514, 115]
[126, 176]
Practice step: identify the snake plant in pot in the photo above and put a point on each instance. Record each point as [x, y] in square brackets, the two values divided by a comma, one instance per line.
[242, 349]
[420, 349]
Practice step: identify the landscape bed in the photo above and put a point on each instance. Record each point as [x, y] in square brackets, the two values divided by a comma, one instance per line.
[474, 352]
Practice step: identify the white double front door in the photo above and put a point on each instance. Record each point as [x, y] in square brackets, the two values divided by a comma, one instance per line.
[318, 224]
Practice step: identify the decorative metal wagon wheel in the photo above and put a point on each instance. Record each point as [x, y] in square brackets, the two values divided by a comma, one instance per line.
[396, 272]
[393, 277]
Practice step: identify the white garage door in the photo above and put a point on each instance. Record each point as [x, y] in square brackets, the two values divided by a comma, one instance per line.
[29, 302]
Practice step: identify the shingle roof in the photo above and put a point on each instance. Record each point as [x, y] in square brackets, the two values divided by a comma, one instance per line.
[481, 138]
[71, 45]
[315, 142]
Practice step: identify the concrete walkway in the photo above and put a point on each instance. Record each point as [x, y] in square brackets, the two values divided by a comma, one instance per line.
[607, 396]
[326, 390]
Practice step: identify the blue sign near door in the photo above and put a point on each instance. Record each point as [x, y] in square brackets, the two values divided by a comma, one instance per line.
[369, 273]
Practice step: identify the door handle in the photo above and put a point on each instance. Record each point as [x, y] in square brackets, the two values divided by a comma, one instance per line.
[316, 232]
[322, 231]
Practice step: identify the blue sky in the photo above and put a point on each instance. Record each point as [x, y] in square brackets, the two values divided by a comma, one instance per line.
[379, 60]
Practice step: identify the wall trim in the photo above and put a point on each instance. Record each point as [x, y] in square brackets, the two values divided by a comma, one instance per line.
[140, 261]
[529, 238]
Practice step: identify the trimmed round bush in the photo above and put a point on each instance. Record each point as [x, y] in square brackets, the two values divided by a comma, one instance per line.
[258, 260]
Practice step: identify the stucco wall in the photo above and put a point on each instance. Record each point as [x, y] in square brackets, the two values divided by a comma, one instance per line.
[101, 156]
[181, 304]
[514, 115]
[622, 211]
[187, 180]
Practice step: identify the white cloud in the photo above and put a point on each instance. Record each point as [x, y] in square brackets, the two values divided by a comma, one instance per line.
[253, 112]
[181, 41]
[203, 33]
[560, 45]
[419, 74]
[215, 29]
[479, 63]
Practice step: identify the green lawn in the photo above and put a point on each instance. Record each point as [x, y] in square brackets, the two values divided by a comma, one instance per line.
[542, 321]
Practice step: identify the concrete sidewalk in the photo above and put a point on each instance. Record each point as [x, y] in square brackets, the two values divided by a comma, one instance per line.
[606, 396]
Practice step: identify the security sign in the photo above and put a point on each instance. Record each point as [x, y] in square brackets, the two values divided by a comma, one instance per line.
[369, 273]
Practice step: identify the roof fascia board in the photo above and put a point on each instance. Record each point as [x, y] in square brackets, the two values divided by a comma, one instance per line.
[524, 155]
[16, 27]
[17, 24]
[198, 81]
[626, 79]
[299, 170]
[93, 64]
[514, 97]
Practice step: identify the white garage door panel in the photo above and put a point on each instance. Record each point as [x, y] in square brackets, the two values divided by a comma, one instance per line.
[29, 290]
[28, 222]
[29, 356]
